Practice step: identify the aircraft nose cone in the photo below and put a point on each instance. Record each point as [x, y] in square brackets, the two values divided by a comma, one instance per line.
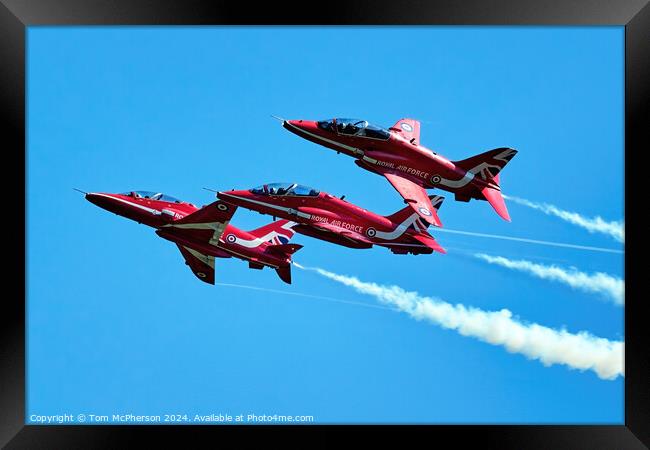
[297, 124]
[308, 126]
[94, 198]
[101, 200]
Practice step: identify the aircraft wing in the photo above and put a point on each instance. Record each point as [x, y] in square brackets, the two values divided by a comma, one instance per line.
[201, 265]
[350, 234]
[410, 129]
[206, 224]
[416, 197]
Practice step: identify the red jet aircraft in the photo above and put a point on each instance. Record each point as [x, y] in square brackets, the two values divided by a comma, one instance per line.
[203, 234]
[323, 216]
[396, 153]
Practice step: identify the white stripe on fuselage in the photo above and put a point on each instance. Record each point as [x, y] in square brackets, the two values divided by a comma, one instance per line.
[467, 178]
[471, 173]
[252, 243]
[399, 230]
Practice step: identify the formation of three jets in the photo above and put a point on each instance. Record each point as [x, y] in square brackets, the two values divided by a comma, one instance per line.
[203, 234]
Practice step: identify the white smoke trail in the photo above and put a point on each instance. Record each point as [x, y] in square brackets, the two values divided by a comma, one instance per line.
[599, 282]
[529, 241]
[578, 351]
[593, 225]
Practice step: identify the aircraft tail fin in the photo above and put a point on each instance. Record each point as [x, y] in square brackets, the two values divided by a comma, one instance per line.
[284, 272]
[487, 165]
[404, 213]
[276, 233]
[495, 199]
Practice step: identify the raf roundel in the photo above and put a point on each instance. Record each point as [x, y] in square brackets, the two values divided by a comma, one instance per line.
[371, 232]
[222, 206]
[231, 238]
[424, 211]
[436, 179]
[406, 127]
[200, 274]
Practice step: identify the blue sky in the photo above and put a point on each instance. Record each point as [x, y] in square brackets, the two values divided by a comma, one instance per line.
[118, 324]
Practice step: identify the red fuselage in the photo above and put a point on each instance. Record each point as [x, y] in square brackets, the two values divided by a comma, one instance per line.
[393, 152]
[161, 215]
[329, 218]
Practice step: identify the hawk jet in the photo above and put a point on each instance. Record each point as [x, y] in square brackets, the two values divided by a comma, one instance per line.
[203, 234]
[397, 154]
[324, 216]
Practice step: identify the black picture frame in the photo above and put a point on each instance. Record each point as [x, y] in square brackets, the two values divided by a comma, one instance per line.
[16, 15]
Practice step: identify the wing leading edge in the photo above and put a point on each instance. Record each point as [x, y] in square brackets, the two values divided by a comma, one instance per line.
[416, 197]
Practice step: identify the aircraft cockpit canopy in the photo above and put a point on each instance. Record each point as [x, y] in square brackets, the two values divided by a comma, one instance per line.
[152, 195]
[285, 189]
[354, 127]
